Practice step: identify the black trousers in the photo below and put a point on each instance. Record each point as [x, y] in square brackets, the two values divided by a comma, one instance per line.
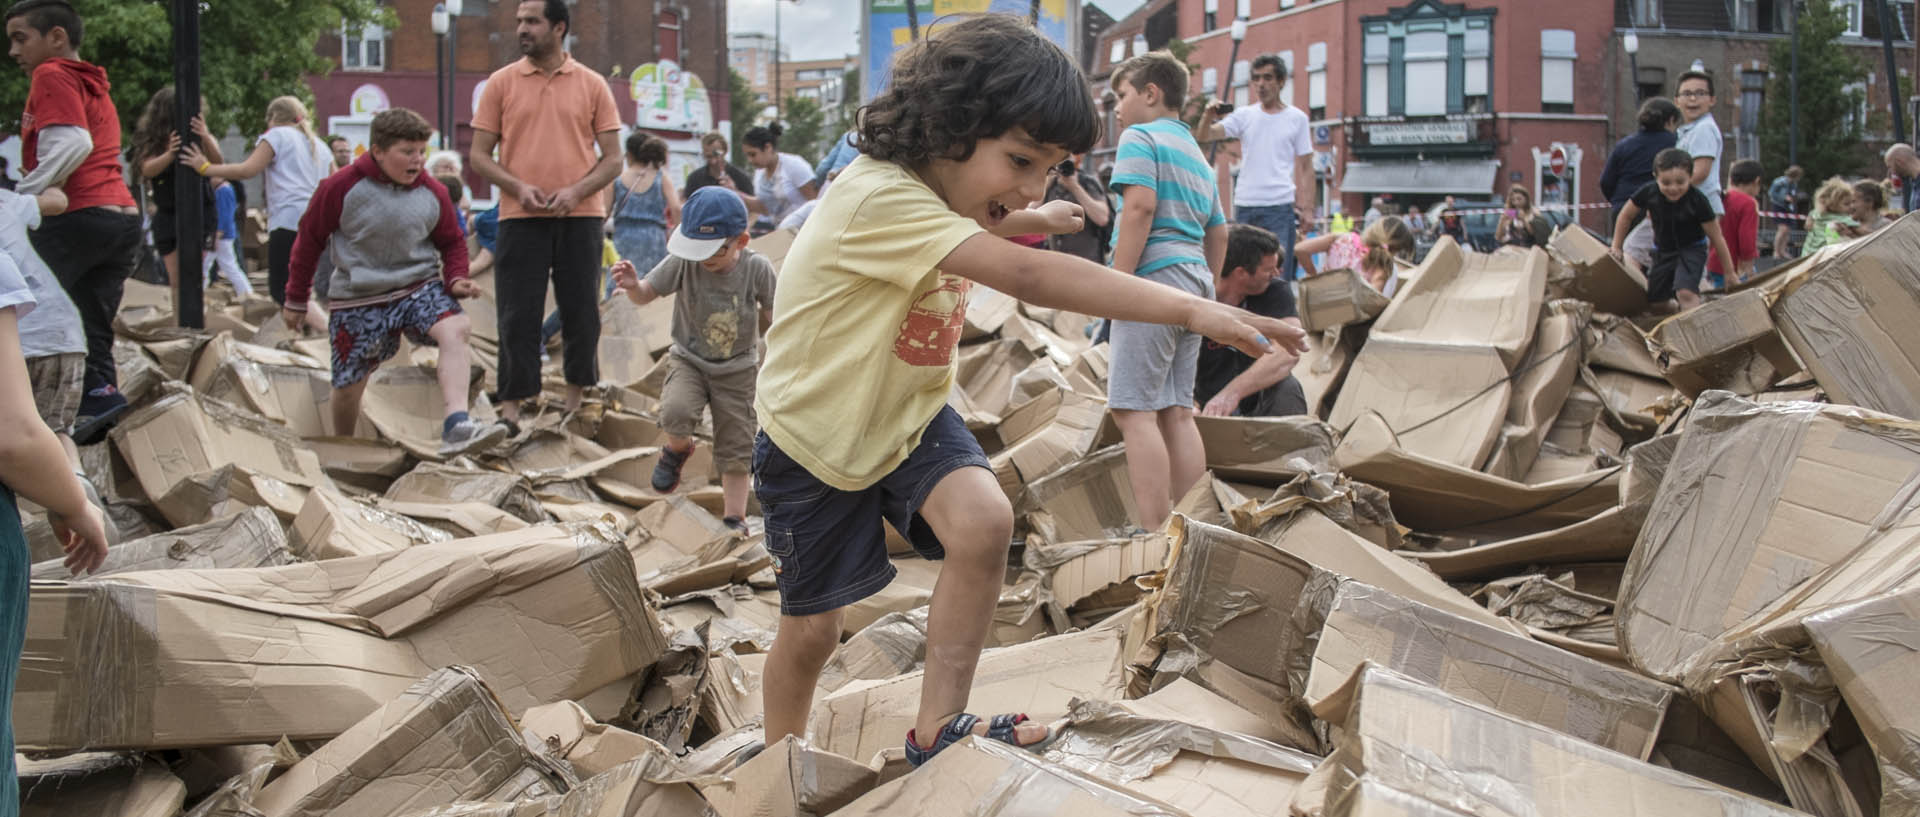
[529, 253]
[279, 255]
[91, 251]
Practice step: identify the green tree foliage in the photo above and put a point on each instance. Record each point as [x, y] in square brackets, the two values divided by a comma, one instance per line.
[806, 125]
[746, 107]
[1830, 130]
[251, 52]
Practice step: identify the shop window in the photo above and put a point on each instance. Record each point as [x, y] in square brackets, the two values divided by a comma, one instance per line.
[1437, 61]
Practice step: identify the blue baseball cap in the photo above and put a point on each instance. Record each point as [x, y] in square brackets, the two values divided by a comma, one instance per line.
[711, 217]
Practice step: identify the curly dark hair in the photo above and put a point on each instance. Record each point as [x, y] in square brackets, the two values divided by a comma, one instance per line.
[977, 79]
[647, 149]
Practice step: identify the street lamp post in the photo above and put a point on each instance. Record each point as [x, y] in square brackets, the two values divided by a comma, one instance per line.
[1631, 43]
[440, 25]
[1793, 93]
[188, 307]
[1237, 32]
[450, 133]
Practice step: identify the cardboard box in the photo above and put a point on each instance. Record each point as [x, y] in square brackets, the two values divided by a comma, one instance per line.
[1258, 450]
[1337, 298]
[404, 405]
[1040, 678]
[1621, 346]
[644, 787]
[1612, 285]
[1092, 499]
[1642, 402]
[1727, 343]
[331, 526]
[1579, 428]
[1066, 437]
[1324, 367]
[988, 310]
[1078, 572]
[984, 778]
[444, 739]
[1540, 388]
[1758, 498]
[1407, 737]
[286, 387]
[1193, 767]
[127, 788]
[253, 538]
[1469, 300]
[1872, 649]
[212, 657]
[1445, 401]
[432, 482]
[370, 465]
[182, 435]
[789, 779]
[1509, 673]
[1607, 536]
[227, 490]
[564, 729]
[458, 520]
[1438, 497]
[1852, 319]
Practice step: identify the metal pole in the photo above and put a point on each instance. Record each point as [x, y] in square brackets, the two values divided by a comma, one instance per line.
[1633, 65]
[776, 60]
[453, 85]
[440, 85]
[1793, 93]
[189, 308]
[1887, 25]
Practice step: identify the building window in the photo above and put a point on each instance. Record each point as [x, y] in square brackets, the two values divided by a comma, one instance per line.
[364, 49]
[1556, 70]
[1856, 119]
[1753, 95]
[1478, 51]
[1210, 22]
[1317, 81]
[1210, 81]
[1242, 77]
[666, 41]
[1287, 4]
[1242, 9]
[1851, 8]
[1118, 53]
[1286, 91]
[1646, 13]
[1376, 60]
[1425, 64]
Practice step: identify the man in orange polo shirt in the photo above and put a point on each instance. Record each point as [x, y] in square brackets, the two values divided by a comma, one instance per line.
[546, 113]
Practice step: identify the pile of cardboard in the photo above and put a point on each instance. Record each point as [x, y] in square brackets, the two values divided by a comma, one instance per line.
[1538, 549]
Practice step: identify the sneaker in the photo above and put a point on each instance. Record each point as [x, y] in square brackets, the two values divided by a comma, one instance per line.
[666, 472]
[468, 435]
[99, 410]
[738, 525]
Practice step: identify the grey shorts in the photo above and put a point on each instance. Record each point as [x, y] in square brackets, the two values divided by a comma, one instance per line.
[57, 388]
[1153, 365]
[730, 396]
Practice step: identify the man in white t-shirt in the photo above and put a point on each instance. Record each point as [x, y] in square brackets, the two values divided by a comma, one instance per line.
[1275, 190]
[1700, 136]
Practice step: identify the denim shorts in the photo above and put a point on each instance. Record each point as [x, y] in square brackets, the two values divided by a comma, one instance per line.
[828, 546]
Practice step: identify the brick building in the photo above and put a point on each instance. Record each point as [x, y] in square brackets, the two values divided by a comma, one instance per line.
[1731, 40]
[625, 40]
[1412, 99]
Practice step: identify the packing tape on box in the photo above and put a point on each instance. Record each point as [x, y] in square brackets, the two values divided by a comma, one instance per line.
[107, 638]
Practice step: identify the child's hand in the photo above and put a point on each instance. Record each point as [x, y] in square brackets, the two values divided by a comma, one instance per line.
[1617, 253]
[1255, 335]
[463, 288]
[53, 201]
[625, 277]
[1061, 217]
[192, 157]
[84, 539]
[292, 318]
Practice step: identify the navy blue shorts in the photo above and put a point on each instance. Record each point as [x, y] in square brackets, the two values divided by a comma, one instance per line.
[829, 548]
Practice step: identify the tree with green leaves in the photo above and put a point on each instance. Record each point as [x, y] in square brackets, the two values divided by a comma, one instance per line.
[806, 125]
[1830, 127]
[251, 51]
[746, 107]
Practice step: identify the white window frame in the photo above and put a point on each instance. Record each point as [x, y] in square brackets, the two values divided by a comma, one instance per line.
[1375, 51]
[1419, 104]
[1855, 11]
[1209, 80]
[1859, 112]
[1243, 9]
[1645, 13]
[350, 44]
[1316, 76]
[1286, 91]
[1117, 53]
[1477, 48]
[1557, 46]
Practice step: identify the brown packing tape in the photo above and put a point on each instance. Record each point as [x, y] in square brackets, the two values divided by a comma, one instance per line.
[139, 788]
[252, 538]
[1337, 298]
[103, 633]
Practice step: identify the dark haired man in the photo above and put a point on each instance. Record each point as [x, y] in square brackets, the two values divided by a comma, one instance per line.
[546, 113]
[1228, 382]
[1700, 137]
[70, 139]
[1275, 189]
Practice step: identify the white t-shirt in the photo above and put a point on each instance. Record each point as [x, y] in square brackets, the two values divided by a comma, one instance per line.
[1698, 138]
[1269, 143]
[53, 328]
[292, 175]
[780, 190]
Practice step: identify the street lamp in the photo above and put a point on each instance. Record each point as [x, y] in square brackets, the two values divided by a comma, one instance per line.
[1236, 32]
[454, 7]
[441, 22]
[1631, 42]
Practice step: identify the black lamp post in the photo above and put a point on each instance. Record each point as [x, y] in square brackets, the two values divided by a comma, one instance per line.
[188, 307]
[441, 23]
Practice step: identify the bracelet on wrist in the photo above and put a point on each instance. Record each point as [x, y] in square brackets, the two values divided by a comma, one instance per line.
[202, 169]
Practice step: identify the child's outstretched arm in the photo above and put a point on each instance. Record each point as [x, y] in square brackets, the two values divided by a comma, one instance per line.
[1053, 218]
[1216, 249]
[1062, 281]
[1304, 251]
[627, 279]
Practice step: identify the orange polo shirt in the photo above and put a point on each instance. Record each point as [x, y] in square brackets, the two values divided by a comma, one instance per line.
[547, 124]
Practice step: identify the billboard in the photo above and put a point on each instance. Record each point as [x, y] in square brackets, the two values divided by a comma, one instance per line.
[886, 30]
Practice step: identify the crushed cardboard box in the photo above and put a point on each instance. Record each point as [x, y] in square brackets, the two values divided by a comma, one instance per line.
[1727, 343]
[252, 538]
[1194, 767]
[184, 434]
[1337, 298]
[789, 779]
[331, 526]
[1592, 274]
[1851, 319]
[983, 778]
[125, 788]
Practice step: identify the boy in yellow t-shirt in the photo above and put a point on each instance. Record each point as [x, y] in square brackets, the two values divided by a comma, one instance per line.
[860, 358]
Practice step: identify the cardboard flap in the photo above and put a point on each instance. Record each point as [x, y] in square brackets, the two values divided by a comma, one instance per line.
[1612, 285]
[1850, 316]
[1444, 401]
[252, 538]
[1471, 300]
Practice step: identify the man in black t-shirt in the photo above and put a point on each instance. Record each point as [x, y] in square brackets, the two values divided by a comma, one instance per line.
[1228, 382]
[713, 148]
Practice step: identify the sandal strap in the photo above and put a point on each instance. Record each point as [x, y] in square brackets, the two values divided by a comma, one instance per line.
[1000, 728]
[955, 731]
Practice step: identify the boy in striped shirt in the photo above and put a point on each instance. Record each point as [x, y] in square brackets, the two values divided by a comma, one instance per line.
[1173, 232]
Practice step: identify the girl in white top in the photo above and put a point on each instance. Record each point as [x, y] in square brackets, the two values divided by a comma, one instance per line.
[781, 181]
[295, 160]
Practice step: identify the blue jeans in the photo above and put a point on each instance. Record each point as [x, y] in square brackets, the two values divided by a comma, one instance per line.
[1277, 219]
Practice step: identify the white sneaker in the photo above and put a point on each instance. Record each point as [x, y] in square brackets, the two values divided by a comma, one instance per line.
[471, 435]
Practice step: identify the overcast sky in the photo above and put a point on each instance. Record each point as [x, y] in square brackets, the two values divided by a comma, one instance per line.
[823, 29]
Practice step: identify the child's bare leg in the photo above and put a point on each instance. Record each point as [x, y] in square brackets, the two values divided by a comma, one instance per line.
[1186, 453]
[1688, 299]
[345, 407]
[734, 488]
[316, 318]
[800, 650]
[1147, 466]
[969, 513]
[683, 445]
[575, 396]
[456, 359]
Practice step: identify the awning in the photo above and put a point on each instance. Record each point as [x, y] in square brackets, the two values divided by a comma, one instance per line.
[1436, 177]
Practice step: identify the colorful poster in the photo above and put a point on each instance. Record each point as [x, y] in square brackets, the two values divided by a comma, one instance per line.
[887, 30]
[666, 97]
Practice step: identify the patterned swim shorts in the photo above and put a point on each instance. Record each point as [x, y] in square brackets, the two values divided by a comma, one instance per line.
[366, 336]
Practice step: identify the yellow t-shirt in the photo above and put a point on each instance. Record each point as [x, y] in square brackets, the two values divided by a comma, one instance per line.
[860, 356]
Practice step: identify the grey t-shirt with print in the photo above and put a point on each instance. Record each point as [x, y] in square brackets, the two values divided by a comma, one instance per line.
[716, 318]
